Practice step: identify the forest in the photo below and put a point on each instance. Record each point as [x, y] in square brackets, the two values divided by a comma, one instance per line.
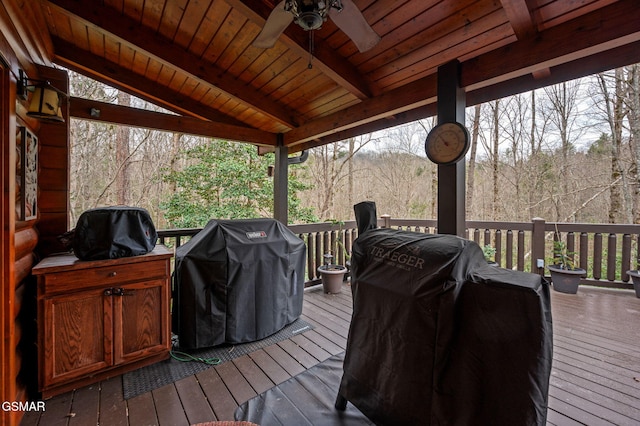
[567, 153]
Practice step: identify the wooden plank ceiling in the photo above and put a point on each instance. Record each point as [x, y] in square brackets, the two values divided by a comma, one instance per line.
[195, 58]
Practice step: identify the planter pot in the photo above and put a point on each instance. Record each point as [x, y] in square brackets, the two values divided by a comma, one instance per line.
[332, 277]
[566, 280]
[635, 278]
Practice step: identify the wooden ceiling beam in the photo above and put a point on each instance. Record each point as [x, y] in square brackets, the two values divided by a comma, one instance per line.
[120, 78]
[405, 117]
[482, 77]
[134, 117]
[606, 28]
[131, 33]
[408, 97]
[604, 61]
[520, 18]
[621, 56]
[325, 59]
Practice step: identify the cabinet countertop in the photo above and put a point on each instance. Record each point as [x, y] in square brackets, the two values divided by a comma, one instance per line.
[68, 261]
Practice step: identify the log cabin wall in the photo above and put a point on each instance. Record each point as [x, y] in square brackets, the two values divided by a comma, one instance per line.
[25, 242]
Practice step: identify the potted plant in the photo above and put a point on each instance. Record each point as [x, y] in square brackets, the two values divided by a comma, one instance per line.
[489, 252]
[564, 276]
[635, 279]
[332, 275]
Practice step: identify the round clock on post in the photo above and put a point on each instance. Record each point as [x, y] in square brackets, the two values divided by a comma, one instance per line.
[447, 143]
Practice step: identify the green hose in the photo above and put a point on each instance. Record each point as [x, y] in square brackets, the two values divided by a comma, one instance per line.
[184, 357]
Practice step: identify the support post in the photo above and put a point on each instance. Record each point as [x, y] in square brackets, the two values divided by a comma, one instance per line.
[451, 177]
[537, 245]
[281, 183]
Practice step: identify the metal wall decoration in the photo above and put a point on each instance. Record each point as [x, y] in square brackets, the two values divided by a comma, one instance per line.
[26, 174]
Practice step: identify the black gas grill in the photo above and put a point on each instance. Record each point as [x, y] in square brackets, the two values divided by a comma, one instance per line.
[237, 281]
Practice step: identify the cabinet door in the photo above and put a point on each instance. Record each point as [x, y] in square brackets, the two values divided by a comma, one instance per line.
[141, 320]
[77, 334]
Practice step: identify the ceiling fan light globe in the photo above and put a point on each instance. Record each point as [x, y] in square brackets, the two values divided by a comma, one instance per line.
[309, 20]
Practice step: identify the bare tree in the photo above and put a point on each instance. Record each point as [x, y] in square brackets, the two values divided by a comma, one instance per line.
[516, 115]
[471, 169]
[493, 147]
[329, 168]
[562, 114]
[613, 105]
[123, 153]
[633, 104]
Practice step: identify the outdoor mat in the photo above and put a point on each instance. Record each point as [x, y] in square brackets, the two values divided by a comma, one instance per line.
[305, 399]
[162, 373]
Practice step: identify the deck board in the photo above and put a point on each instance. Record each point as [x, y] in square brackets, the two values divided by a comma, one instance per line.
[237, 384]
[142, 410]
[257, 378]
[286, 361]
[595, 376]
[269, 366]
[113, 410]
[88, 398]
[168, 406]
[193, 400]
[58, 410]
[217, 394]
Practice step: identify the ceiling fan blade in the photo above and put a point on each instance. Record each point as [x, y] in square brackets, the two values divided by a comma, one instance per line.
[353, 24]
[276, 23]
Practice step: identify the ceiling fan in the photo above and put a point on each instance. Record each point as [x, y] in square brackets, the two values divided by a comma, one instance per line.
[311, 14]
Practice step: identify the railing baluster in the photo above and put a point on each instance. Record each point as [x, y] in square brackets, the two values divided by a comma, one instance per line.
[509, 264]
[318, 253]
[611, 257]
[571, 246]
[348, 240]
[584, 250]
[311, 245]
[521, 250]
[597, 255]
[498, 246]
[626, 257]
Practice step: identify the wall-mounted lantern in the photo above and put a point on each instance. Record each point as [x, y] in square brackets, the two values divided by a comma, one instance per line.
[46, 102]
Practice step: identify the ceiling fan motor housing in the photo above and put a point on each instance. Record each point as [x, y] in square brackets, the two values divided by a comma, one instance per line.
[311, 14]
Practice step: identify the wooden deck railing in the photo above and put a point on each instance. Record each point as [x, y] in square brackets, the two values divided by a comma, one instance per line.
[605, 251]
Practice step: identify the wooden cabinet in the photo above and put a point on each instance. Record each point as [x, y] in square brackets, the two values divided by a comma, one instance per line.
[97, 319]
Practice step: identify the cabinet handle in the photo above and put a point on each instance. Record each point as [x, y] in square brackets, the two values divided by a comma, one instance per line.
[122, 292]
[108, 292]
[112, 274]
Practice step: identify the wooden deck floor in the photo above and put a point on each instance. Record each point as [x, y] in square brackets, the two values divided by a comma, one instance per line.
[595, 377]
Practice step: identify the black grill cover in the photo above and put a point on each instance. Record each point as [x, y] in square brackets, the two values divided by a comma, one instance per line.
[440, 337]
[499, 362]
[237, 281]
[113, 232]
[366, 216]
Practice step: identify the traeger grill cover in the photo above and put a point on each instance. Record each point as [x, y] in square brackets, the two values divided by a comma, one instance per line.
[113, 232]
[440, 337]
[237, 281]
[499, 362]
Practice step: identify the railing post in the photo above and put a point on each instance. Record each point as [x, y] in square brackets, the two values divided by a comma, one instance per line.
[537, 244]
[386, 220]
